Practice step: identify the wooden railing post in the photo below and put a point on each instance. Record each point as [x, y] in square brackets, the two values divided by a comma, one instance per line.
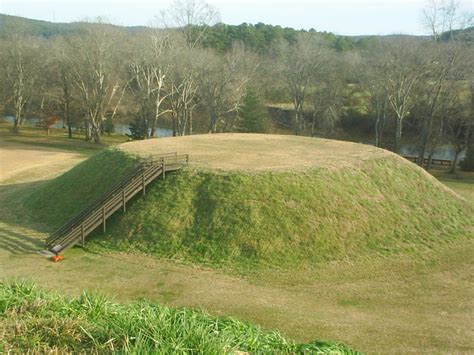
[163, 166]
[143, 183]
[103, 217]
[123, 200]
[83, 238]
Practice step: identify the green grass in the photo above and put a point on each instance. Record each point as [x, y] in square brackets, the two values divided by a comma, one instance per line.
[286, 219]
[462, 182]
[36, 321]
[379, 207]
[60, 199]
[58, 139]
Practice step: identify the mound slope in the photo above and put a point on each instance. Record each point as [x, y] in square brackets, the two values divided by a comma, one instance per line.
[276, 200]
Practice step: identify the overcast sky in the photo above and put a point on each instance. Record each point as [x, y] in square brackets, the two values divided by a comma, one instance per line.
[347, 17]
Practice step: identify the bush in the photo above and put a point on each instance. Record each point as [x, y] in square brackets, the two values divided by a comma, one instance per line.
[138, 129]
[108, 126]
[253, 115]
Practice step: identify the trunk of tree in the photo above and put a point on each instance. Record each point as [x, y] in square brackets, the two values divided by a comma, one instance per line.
[430, 160]
[297, 120]
[380, 121]
[428, 125]
[455, 161]
[191, 122]
[398, 134]
[16, 126]
[96, 132]
[154, 122]
[17, 121]
[174, 125]
[87, 129]
[377, 130]
[67, 117]
[213, 123]
[313, 124]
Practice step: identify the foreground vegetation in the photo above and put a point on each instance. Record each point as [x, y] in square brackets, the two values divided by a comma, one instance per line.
[33, 320]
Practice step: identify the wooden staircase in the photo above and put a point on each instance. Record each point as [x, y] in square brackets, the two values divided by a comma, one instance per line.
[78, 228]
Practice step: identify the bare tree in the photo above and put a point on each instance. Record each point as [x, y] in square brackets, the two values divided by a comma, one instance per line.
[61, 85]
[148, 78]
[192, 18]
[222, 82]
[183, 86]
[443, 58]
[327, 94]
[298, 65]
[440, 16]
[20, 72]
[95, 72]
[369, 71]
[403, 67]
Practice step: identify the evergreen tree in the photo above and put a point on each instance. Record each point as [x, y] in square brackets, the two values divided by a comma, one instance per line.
[138, 129]
[467, 164]
[253, 115]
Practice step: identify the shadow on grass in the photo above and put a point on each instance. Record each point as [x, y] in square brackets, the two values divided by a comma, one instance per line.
[12, 213]
[18, 241]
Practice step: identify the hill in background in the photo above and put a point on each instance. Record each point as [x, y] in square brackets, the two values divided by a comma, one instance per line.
[258, 37]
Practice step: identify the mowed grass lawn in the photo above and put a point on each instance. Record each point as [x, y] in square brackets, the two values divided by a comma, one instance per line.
[461, 182]
[393, 304]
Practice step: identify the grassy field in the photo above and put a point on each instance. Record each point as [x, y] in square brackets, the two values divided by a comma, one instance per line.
[461, 182]
[58, 139]
[390, 303]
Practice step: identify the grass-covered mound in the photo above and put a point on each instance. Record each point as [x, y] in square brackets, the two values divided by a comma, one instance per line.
[275, 200]
[60, 199]
[384, 206]
[32, 320]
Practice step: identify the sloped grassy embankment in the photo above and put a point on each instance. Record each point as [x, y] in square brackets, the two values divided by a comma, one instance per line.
[379, 206]
[35, 321]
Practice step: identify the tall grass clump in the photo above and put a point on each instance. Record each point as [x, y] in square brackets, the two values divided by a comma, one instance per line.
[33, 320]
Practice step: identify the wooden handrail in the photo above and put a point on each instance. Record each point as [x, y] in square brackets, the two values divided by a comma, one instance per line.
[445, 162]
[96, 213]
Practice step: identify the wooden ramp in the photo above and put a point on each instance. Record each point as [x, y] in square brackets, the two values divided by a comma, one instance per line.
[79, 227]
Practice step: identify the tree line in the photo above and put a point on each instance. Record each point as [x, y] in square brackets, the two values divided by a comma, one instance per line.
[193, 74]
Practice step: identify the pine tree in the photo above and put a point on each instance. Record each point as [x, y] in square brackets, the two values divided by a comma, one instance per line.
[253, 115]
